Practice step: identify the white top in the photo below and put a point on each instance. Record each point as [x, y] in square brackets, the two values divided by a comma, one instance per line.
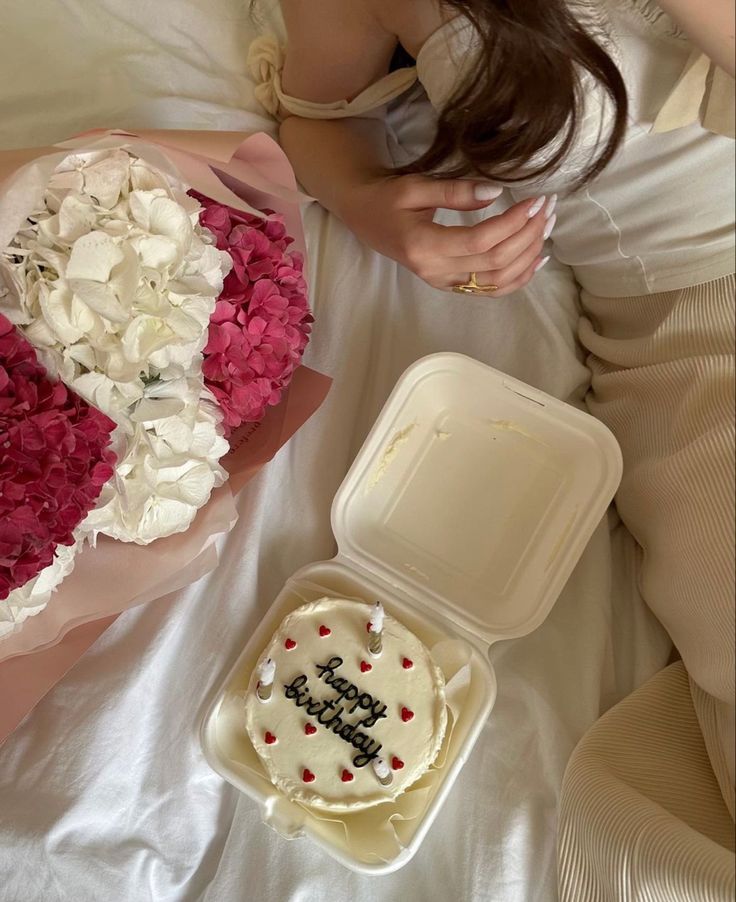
[660, 216]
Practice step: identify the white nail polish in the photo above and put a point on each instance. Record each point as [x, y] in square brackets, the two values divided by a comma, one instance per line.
[536, 206]
[550, 206]
[487, 191]
[550, 225]
[541, 263]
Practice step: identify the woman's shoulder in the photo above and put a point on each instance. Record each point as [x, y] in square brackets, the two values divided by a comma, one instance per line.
[411, 23]
[312, 24]
[335, 48]
[358, 14]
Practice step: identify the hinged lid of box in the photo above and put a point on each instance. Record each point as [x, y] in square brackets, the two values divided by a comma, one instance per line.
[476, 495]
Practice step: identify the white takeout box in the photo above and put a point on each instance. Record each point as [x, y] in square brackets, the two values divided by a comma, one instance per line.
[465, 512]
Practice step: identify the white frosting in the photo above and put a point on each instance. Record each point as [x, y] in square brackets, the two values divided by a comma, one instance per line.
[390, 452]
[404, 677]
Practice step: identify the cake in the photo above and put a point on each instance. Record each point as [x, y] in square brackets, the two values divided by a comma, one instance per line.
[345, 707]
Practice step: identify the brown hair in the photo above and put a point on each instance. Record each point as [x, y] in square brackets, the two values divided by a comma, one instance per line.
[523, 93]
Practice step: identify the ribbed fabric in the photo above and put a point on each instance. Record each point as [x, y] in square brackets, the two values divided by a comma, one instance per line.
[663, 382]
[642, 818]
[648, 798]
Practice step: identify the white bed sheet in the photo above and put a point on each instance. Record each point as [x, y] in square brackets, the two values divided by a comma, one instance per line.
[104, 793]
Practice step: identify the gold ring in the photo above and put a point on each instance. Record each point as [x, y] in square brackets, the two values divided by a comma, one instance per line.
[472, 286]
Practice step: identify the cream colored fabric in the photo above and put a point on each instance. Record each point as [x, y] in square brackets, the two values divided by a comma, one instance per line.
[648, 799]
[641, 814]
[717, 722]
[703, 92]
[663, 382]
[266, 62]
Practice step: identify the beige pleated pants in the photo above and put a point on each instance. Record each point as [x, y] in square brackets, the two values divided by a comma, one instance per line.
[647, 801]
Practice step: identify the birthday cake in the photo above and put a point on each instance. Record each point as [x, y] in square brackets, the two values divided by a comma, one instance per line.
[345, 707]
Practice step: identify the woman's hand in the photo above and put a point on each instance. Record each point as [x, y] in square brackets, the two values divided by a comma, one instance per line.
[340, 162]
[395, 216]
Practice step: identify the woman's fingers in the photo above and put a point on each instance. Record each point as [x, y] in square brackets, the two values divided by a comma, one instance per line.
[434, 240]
[523, 279]
[505, 275]
[507, 253]
[505, 263]
[502, 278]
[498, 289]
[501, 248]
[500, 266]
[419, 192]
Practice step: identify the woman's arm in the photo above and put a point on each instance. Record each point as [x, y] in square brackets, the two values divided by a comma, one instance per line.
[335, 50]
[709, 24]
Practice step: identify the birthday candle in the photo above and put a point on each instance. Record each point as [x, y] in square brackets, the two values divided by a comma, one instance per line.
[375, 630]
[266, 675]
[382, 771]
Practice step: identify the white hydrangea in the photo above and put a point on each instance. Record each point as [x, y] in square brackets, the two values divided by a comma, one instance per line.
[32, 597]
[112, 276]
[167, 465]
[114, 282]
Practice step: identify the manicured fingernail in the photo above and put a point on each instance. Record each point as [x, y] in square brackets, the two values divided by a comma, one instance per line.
[541, 263]
[550, 206]
[536, 206]
[550, 225]
[487, 191]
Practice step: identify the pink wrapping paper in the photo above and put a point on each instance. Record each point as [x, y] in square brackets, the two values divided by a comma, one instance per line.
[244, 171]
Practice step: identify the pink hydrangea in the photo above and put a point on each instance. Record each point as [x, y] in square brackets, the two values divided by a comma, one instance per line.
[261, 323]
[54, 460]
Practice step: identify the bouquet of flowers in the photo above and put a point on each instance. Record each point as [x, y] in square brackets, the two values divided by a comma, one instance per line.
[143, 322]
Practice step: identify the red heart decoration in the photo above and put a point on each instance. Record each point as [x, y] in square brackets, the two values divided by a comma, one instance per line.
[396, 763]
[309, 728]
[365, 667]
[269, 738]
[346, 776]
[324, 631]
[289, 644]
[307, 775]
[407, 663]
[368, 627]
[406, 715]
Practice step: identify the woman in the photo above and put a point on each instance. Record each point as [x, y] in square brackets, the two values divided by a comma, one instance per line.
[608, 120]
